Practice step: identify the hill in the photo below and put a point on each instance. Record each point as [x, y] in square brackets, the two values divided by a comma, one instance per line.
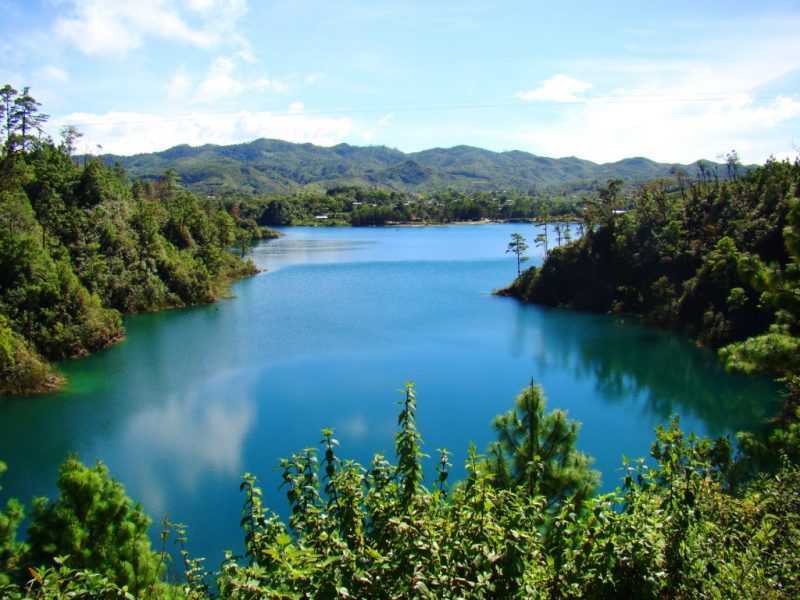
[269, 166]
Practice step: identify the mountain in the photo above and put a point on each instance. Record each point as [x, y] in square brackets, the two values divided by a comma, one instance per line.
[265, 166]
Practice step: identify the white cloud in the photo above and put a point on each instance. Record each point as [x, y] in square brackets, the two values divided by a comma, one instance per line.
[559, 88]
[667, 127]
[131, 133]
[246, 54]
[731, 96]
[296, 107]
[100, 27]
[203, 436]
[222, 83]
[53, 74]
[178, 86]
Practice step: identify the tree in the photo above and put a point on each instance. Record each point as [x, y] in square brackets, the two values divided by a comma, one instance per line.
[408, 444]
[29, 119]
[541, 240]
[732, 164]
[69, 139]
[10, 549]
[97, 525]
[537, 451]
[546, 223]
[7, 113]
[518, 246]
[778, 350]
[602, 210]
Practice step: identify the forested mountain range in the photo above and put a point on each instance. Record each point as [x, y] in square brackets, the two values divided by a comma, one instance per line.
[269, 166]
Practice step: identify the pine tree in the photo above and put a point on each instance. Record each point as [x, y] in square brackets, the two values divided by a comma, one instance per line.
[537, 451]
[95, 523]
[518, 246]
[7, 114]
[28, 118]
[408, 444]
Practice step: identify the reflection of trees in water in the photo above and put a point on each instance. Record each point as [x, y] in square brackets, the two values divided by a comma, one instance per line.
[112, 391]
[629, 361]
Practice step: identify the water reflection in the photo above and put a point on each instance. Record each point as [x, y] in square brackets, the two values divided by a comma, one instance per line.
[628, 363]
[187, 439]
[290, 250]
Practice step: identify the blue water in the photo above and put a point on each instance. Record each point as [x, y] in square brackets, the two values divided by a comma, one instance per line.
[326, 338]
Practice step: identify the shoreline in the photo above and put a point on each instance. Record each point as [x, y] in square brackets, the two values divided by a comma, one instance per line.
[520, 221]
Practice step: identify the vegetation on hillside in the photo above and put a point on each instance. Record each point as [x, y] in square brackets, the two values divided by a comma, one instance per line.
[360, 206]
[678, 527]
[280, 183]
[274, 166]
[718, 259]
[80, 245]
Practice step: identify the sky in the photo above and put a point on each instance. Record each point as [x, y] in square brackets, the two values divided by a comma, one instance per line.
[673, 81]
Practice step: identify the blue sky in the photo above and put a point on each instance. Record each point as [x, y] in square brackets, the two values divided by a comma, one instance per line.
[673, 81]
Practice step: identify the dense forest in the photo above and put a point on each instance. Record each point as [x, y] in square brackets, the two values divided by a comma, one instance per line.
[719, 260]
[362, 206]
[267, 166]
[523, 524]
[81, 245]
[716, 258]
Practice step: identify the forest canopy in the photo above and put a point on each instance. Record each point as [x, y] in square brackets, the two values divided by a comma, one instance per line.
[81, 245]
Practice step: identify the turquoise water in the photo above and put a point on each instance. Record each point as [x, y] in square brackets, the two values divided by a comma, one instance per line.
[194, 398]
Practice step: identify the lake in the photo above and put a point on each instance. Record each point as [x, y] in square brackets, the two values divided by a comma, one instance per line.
[326, 338]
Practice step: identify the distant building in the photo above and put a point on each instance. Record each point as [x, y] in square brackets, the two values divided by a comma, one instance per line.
[321, 217]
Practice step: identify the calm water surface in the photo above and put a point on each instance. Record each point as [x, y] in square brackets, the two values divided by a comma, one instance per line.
[194, 398]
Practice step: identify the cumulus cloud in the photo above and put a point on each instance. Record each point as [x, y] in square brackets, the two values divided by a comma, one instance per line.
[559, 88]
[98, 27]
[222, 82]
[729, 97]
[131, 133]
[665, 127]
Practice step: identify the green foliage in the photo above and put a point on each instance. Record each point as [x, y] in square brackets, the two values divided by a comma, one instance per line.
[97, 526]
[61, 581]
[273, 166]
[681, 526]
[408, 444]
[718, 259]
[10, 550]
[536, 452]
[21, 368]
[693, 258]
[374, 206]
[518, 246]
[80, 246]
[778, 350]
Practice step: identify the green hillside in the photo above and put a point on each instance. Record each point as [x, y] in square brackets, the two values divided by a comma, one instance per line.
[269, 166]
